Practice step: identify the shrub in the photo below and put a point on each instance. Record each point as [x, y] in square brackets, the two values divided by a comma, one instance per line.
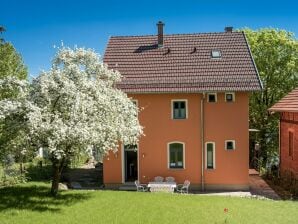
[11, 175]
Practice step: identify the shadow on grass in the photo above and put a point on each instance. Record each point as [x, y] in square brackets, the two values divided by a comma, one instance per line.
[38, 198]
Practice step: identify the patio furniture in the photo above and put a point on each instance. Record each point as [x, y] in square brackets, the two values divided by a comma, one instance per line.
[183, 188]
[170, 179]
[158, 179]
[162, 186]
[141, 187]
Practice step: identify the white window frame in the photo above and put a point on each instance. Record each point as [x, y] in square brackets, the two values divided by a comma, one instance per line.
[215, 94]
[234, 144]
[172, 108]
[233, 97]
[214, 164]
[168, 155]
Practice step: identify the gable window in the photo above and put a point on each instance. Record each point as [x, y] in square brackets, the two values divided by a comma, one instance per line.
[291, 143]
[230, 97]
[215, 54]
[230, 145]
[135, 102]
[210, 155]
[179, 109]
[176, 155]
[212, 97]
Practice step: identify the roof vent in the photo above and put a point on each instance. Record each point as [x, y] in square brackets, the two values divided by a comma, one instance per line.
[160, 26]
[167, 51]
[194, 50]
[229, 29]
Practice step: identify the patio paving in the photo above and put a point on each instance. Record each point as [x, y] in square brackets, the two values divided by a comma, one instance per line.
[259, 187]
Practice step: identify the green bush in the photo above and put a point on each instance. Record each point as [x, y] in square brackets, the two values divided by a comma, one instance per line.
[11, 175]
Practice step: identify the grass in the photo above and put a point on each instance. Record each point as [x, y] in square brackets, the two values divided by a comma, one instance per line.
[31, 203]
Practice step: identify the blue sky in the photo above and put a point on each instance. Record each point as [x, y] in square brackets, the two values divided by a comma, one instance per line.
[34, 27]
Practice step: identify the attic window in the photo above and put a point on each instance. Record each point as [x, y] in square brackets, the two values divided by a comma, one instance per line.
[215, 54]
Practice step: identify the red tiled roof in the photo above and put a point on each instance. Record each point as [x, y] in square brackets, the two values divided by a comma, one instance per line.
[183, 64]
[287, 104]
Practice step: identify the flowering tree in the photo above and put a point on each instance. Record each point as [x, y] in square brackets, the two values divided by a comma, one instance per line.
[74, 107]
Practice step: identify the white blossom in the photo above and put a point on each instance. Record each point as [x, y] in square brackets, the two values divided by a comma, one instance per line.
[74, 106]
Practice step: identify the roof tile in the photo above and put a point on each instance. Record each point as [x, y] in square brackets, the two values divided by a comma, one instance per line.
[287, 104]
[177, 67]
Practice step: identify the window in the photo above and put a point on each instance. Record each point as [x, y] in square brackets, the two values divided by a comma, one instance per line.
[230, 144]
[179, 109]
[212, 97]
[176, 155]
[210, 155]
[215, 54]
[135, 102]
[230, 97]
[291, 143]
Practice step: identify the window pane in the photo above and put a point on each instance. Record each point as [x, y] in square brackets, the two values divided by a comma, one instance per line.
[229, 97]
[182, 113]
[211, 98]
[182, 105]
[210, 156]
[230, 145]
[176, 155]
[215, 54]
[176, 105]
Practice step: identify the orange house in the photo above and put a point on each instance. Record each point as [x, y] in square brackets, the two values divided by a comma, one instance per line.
[193, 91]
[288, 137]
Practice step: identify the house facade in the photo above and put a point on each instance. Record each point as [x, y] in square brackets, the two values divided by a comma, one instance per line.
[288, 137]
[193, 92]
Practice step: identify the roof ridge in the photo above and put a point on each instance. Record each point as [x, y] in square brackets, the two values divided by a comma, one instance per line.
[177, 34]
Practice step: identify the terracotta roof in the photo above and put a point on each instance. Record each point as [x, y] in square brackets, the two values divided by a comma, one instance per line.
[287, 104]
[184, 63]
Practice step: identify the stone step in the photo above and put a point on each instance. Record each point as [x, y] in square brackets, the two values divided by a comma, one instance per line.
[127, 188]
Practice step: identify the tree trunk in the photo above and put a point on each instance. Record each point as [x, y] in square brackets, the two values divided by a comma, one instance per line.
[57, 170]
[56, 179]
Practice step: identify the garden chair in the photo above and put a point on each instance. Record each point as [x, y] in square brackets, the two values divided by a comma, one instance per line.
[141, 187]
[158, 179]
[170, 179]
[183, 188]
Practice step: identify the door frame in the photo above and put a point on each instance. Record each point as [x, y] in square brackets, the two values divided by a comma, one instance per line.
[123, 165]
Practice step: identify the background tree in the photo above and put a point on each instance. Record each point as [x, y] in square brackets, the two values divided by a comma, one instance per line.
[11, 65]
[72, 108]
[276, 56]
[2, 29]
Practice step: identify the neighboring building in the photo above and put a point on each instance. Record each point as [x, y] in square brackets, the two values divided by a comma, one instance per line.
[194, 91]
[288, 139]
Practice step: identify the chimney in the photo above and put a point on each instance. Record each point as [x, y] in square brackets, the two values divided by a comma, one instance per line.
[229, 29]
[160, 26]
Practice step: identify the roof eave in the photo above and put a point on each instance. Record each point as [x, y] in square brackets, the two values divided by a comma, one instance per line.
[253, 61]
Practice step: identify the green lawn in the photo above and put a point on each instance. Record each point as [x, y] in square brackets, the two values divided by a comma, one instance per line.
[30, 203]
